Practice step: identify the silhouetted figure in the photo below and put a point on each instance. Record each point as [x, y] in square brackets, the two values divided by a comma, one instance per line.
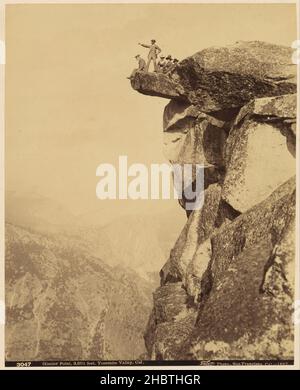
[154, 50]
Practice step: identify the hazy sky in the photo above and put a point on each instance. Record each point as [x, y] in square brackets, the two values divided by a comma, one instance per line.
[69, 106]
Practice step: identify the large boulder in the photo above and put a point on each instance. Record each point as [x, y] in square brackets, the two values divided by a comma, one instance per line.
[221, 78]
[156, 84]
[193, 137]
[259, 151]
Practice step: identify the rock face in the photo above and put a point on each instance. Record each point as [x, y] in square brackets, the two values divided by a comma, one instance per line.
[227, 289]
[260, 151]
[155, 84]
[237, 294]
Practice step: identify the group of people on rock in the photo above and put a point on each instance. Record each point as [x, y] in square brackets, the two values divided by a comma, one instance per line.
[165, 65]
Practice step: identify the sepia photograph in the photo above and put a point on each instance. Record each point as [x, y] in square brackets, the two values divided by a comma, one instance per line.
[149, 185]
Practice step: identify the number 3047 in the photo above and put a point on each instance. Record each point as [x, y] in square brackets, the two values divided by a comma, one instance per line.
[24, 364]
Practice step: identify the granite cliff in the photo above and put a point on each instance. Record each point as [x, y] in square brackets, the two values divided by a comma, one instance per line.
[227, 289]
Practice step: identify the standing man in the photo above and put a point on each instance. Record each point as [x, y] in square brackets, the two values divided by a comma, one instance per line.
[154, 50]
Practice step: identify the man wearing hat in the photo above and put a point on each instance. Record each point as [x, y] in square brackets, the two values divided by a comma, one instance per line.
[141, 66]
[161, 64]
[141, 62]
[174, 64]
[169, 64]
[154, 50]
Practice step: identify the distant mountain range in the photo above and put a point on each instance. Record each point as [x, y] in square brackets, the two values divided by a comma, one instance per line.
[80, 292]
